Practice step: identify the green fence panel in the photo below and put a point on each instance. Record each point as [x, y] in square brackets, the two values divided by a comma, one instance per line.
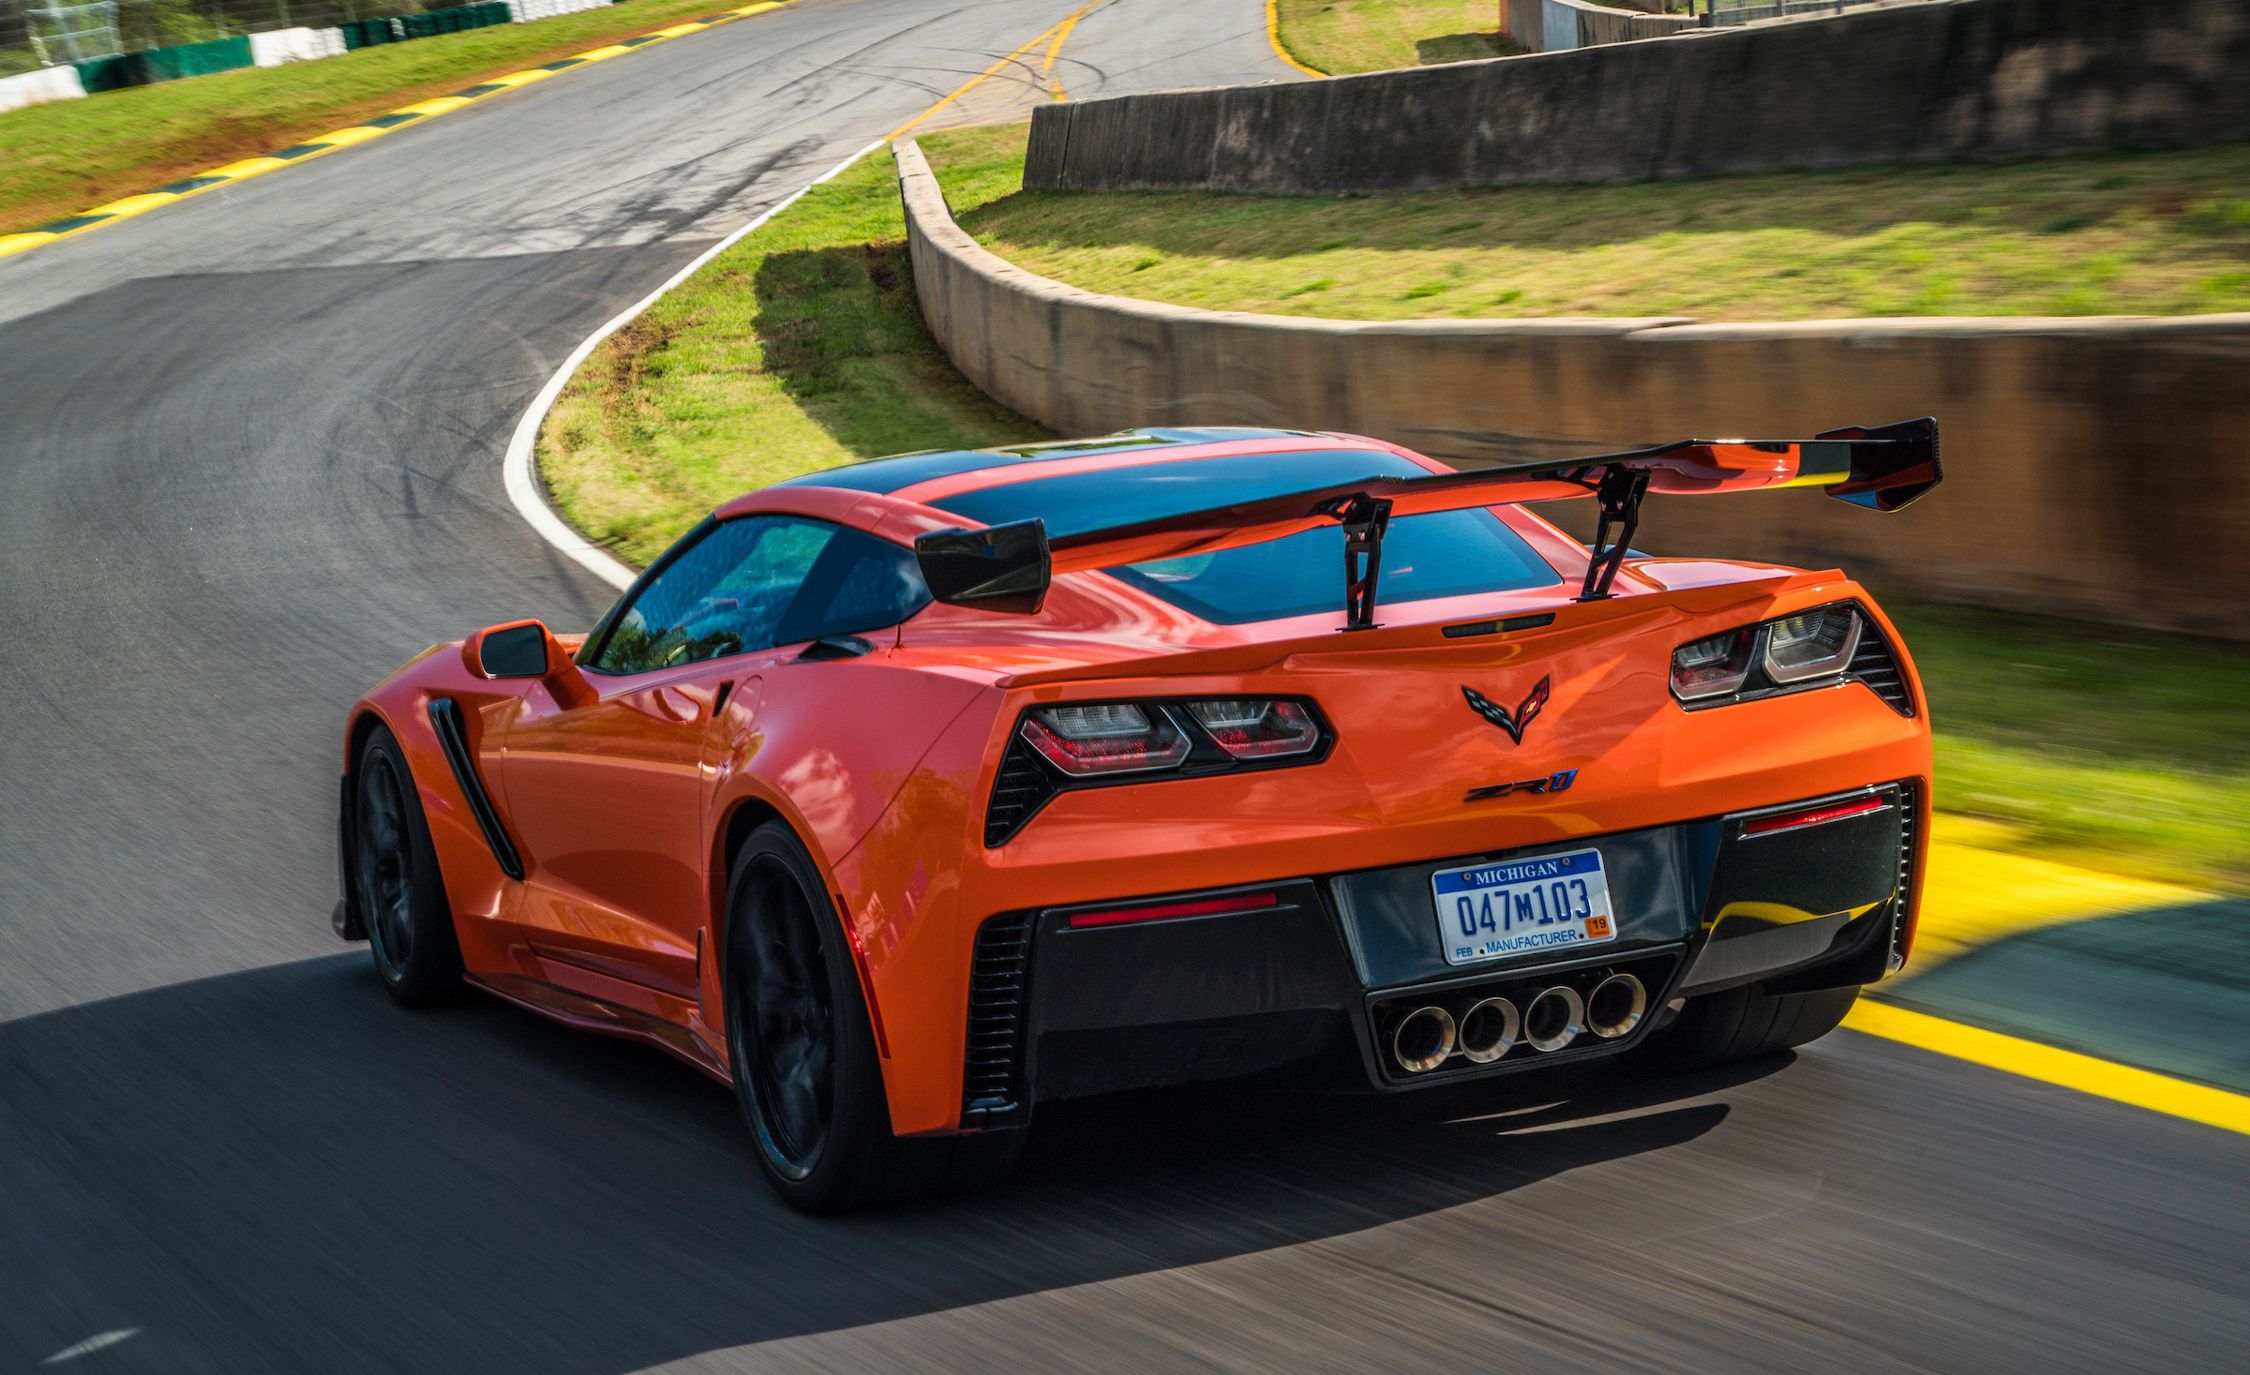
[106, 73]
[456, 19]
[198, 59]
[163, 64]
[367, 33]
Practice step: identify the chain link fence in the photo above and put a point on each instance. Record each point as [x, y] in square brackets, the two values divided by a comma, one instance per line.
[41, 33]
[1727, 13]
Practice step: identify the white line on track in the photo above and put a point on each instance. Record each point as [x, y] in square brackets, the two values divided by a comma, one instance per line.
[521, 471]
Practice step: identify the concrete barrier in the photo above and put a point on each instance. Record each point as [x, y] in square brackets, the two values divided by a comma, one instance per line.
[525, 11]
[1952, 79]
[2094, 466]
[39, 87]
[273, 48]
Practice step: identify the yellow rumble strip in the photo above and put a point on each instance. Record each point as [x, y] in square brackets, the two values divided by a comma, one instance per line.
[419, 113]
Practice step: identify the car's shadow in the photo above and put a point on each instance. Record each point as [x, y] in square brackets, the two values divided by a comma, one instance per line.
[280, 1162]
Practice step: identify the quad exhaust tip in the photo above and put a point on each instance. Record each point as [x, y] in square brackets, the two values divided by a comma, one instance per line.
[1554, 1018]
[1489, 1030]
[1616, 1006]
[1422, 1039]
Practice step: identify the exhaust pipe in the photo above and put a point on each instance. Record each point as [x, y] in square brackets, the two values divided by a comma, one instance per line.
[1554, 1018]
[1422, 1039]
[1489, 1030]
[1616, 1006]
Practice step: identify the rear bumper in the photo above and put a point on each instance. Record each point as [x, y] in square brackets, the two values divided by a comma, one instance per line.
[1310, 976]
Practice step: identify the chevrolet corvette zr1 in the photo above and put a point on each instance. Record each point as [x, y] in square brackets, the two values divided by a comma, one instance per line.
[908, 796]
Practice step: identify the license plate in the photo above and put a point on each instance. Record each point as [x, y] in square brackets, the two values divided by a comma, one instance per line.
[1517, 906]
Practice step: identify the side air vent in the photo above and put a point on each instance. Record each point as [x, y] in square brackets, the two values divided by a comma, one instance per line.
[999, 978]
[1877, 667]
[1909, 825]
[1024, 786]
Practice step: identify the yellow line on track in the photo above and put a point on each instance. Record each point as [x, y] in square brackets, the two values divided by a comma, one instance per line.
[406, 116]
[2052, 1065]
[1273, 36]
[1064, 25]
[1054, 50]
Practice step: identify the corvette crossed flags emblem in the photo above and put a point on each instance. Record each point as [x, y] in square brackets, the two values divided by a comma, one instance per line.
[1498, 715]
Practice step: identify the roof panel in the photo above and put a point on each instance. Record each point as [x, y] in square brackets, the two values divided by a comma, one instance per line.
[885, 475]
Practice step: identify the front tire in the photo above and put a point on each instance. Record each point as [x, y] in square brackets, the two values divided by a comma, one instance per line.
[1744, 1024]
[803, 1055]
[395, 878]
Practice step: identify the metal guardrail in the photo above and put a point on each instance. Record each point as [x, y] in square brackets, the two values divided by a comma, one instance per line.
[1727, 13]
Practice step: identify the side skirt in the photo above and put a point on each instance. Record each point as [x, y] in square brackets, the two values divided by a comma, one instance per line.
[588, 1013]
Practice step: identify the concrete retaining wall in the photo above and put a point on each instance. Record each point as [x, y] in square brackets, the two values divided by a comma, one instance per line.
[2094, 467]
[1971, 78]
[1564, 25]
[36, 88]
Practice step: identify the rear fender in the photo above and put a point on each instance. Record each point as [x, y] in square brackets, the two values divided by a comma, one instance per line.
[903, 895]
[842, 751]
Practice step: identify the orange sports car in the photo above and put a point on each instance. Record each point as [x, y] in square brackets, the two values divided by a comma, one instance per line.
[907, 796]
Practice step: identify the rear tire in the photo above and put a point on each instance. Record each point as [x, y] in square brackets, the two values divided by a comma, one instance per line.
[800, 1043]
[1743, 1024]
[396, 881]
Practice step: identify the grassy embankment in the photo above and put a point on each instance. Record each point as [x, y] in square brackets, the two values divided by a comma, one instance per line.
[60, 158]
[1341, 36]
[802, 348]
[799, 348]
[2105, 234]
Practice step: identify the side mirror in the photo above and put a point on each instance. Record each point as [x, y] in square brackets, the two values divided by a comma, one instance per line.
[519, 649]
[999, 568]
[527, 649]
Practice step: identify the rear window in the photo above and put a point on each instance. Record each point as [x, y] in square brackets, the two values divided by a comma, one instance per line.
[1444, 554]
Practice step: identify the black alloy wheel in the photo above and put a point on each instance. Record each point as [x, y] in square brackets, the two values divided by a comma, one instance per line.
[785, 1034]
[385, 867]
[396, 883]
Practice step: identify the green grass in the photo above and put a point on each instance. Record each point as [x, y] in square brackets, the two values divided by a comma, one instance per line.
[59, 158]
[2126, 234]
[799, 348]
[802, 347]
[2109, 748]
[1340, 36]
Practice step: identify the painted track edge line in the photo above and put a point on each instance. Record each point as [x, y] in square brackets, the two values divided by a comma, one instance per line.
[2087, 1074]
[1280, 49]
[519, 468]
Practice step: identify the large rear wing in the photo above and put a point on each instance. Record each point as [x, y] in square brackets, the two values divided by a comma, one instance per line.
[1008, 567]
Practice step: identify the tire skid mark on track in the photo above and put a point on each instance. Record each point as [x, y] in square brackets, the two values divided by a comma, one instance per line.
[527, 493]
[520, 471]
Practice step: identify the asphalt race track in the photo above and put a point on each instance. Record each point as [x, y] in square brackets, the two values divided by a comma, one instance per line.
[249, 462]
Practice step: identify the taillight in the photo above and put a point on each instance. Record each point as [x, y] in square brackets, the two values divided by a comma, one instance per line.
[1109, 738]
[1817, 644]
[1713, 667]
[1807, 649]
[1151, 740]
[1257, 728]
